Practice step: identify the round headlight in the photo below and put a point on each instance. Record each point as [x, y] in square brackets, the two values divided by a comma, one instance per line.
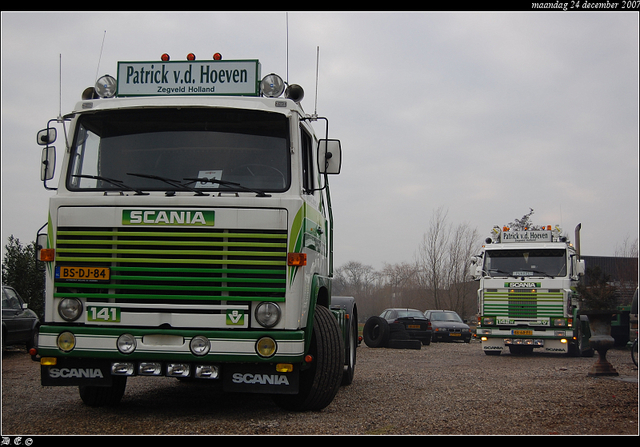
[66, 341]
[126, 343]
[70, 309]
[200, 345]
[106, 86]
[267, 314]
[266, 347]
[272, 86]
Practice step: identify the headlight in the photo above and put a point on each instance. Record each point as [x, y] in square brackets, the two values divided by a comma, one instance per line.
[126, 343]
[488, 321]
[266, 347]
[200, 345]
[70, 309]
[272, 86]
[559, 322]
[66, 341]
[106, 86]
[267, 314]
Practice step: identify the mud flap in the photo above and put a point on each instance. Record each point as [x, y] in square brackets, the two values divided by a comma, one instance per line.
[258, 378]
[71, 372]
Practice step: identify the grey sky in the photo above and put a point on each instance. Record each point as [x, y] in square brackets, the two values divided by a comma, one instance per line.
[483, 114]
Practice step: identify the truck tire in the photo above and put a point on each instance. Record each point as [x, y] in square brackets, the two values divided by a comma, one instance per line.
[351, 343]
[99, 396]
[319, 384]
[376, 332]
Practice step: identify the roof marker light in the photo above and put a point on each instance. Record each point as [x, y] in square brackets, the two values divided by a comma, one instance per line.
[191, 57]
[217, 57]
[165, 57]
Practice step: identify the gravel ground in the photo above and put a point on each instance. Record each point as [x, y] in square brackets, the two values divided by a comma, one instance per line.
[442, 389]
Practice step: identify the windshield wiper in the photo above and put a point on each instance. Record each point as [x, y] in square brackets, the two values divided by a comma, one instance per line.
[114, 182]
[228, 183]
[175, 183]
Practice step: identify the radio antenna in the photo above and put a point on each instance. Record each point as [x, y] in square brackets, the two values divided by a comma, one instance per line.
[100, 57]
[315, 112]
[60, 89]
[287, 45]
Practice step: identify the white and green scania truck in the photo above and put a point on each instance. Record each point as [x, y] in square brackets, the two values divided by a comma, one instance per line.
[191, 236]
[526, 297]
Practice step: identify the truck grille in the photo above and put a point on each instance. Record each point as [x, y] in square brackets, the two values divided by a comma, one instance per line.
[185, 266]
[524, 304]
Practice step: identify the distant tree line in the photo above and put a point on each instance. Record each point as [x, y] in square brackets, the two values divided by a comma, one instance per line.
[20, 271]
[436, 279]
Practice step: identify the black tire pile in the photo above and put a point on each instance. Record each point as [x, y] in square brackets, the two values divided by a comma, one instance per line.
[378, 333]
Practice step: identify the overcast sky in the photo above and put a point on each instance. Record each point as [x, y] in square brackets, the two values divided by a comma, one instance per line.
[485, 115]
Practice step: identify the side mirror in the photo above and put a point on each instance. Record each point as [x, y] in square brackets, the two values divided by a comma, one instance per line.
[329, 156]
[47, 136]
[580, 267]
[48, 166]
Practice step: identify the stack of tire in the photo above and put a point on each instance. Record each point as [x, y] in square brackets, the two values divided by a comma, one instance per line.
[379, 333]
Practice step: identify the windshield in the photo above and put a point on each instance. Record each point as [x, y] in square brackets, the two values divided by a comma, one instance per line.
[542, 262]
[445, 316]
[173, 149]
[410, 313]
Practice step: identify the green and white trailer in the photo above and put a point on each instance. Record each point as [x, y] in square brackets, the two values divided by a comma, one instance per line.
[191, 236]
[526, 297]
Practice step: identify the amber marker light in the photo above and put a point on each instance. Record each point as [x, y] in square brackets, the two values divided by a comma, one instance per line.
[191, 57]
[47, 254]
[165, 57]
[217, 57]
[296, 259]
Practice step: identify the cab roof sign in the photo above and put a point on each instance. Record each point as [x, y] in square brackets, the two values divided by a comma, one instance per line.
[239, 78]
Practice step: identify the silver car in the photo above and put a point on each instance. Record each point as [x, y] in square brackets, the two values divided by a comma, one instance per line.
[448, 326]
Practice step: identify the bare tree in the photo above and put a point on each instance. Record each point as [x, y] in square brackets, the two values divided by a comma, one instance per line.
[463, 243]
[398, 277]
[432, 255]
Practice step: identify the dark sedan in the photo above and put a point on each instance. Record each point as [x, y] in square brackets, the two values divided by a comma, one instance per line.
[411, 321]
[448, 326]
[20, 325]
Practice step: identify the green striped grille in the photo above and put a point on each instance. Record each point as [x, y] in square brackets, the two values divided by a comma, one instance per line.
[182, 266]
[523, 304]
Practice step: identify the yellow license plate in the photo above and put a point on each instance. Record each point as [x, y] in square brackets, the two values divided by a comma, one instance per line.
[455, 334]
[413, 326]
[83, 273]
[522, 332]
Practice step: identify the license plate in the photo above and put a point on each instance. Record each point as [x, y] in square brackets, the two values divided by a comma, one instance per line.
[103, 314]
[522, 332]
[455, 334]
[413, 326]
[83, 273]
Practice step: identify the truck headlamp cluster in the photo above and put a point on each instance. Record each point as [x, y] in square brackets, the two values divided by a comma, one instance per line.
[70, 309]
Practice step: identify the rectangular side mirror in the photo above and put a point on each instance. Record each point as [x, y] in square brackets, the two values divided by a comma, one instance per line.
[48, 166]
[47, 136]
[329, 156]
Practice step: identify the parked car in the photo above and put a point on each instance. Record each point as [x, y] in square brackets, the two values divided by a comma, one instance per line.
[404, 322]
[448, 326]
[20, 325]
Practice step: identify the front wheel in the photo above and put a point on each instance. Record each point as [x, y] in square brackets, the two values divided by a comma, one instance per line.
[319, 383]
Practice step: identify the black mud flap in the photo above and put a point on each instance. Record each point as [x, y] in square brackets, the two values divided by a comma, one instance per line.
[258, 378]
[72, 372]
